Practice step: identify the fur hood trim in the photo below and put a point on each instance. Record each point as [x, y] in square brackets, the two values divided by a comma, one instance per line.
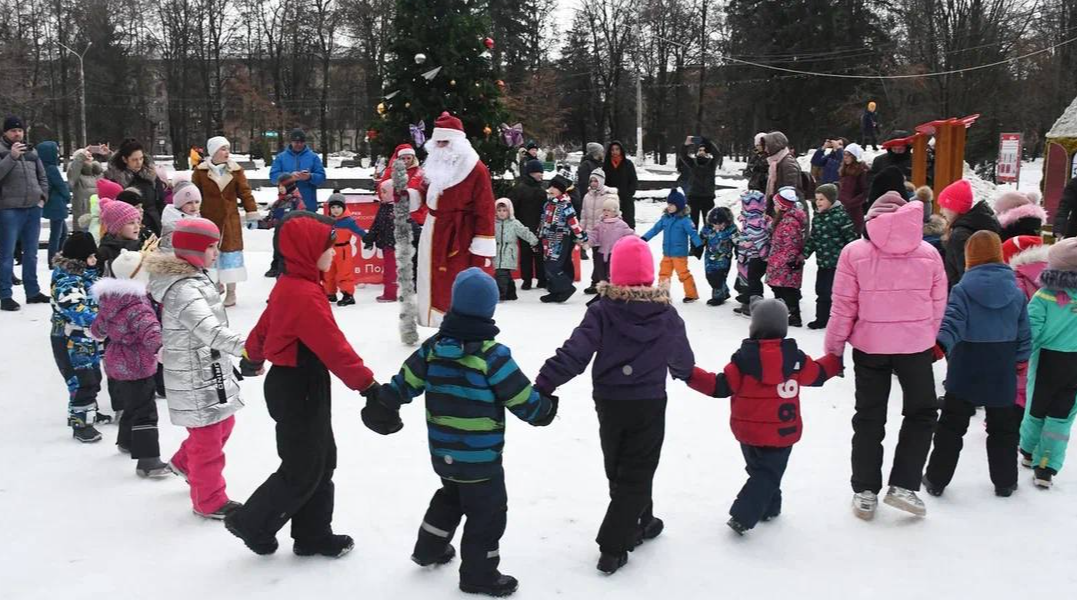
[936, 225]
[163, 264]
[658, 295]
[117, 287]
[75, 267]
[1059, 280]
[1036, 254]
[117, 171]
[1024, 211]
[233, 166]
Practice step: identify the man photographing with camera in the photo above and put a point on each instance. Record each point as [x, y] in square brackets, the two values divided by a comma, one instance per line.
[699, 168]
[23, 188]
[829, 163]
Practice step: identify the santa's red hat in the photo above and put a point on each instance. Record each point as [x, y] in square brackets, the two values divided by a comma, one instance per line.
[447, 127]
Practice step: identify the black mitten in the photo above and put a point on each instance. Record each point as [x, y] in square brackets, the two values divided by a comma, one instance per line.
[548, 417]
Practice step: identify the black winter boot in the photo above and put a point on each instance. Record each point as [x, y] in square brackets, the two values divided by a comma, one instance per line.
[737, 527]
[610, 562]
[9, 305]
[260, 547]
[86, 434]
[445, 557]
[931, 488]
[346, 300]
[502, 585]
[333, 546]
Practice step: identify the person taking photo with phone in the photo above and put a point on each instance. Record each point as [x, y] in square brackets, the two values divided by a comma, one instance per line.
[23, 186]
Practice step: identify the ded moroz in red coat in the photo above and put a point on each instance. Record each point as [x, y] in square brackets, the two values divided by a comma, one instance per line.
[459, 228]
[298, 312]
[764, 378]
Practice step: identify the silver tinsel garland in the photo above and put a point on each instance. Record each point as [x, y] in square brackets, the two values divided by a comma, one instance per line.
[405, 272]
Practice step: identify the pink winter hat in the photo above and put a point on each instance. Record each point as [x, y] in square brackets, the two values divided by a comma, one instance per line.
[191, 238]
[887, 203]
[116, 214]
[631, 262]
[1010, 201]
[957, 197]
[1063, 255]
[108, 189]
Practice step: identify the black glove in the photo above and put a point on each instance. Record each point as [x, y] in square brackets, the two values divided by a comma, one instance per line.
[368, 241]
[376, 416]
[548, 417]
[248, 368]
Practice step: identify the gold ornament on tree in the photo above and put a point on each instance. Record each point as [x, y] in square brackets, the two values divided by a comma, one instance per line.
[381, 108]
[487, 131]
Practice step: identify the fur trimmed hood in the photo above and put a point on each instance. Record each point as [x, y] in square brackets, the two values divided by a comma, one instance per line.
[1013, 215]
[1036, 254]
[1059, 280]
[161, 264]
[658, 295]
[109, 286]
[117, 171]
[936, 225]
[70, 265]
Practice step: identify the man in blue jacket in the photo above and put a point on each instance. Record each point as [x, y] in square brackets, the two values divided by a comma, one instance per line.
[302, 161]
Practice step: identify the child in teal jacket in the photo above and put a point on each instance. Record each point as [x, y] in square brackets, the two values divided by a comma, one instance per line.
[1052, 369]
[678, 230]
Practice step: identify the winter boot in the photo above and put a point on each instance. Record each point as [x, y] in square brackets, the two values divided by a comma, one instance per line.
[9, 305]
[346, 299]
[333, 546]
[152, 468]
[905, 500]
[221, 513]
[737, 527]
[1005, 491]
[179, 473]
[651, 529]
[502, 585]
[86, 434]
[525, 286]
[590, 290]
[123, 449]
[272, 273]
[1026, 458]
[610, 562]
[259, 547]
[817, 324]
[864, 504]
[794, 318]
[931, 488]
[744, 309]
[1041, 477]
[444, 558]
[332, 298]
[39, 298]
[103, 419]
[230, 295]
[689, 300]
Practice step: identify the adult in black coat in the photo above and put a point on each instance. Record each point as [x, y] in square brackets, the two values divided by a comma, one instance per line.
[757, 169]
[699, 166]
[528, 199]
[621, 174]
[1065, 224]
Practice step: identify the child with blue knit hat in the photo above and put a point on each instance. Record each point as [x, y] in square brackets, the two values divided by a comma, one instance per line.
[469, 380]
[678, 230]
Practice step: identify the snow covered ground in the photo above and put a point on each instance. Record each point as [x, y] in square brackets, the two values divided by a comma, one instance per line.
[79, 523]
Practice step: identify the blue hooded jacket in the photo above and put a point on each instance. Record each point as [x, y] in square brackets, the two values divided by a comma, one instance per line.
[677, 230]
[290, 161]
[985, 334]
[59, 192]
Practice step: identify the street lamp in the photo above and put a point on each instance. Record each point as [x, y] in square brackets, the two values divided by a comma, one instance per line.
[82, 87]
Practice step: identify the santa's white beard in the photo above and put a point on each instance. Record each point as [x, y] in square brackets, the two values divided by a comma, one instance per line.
[447, 166]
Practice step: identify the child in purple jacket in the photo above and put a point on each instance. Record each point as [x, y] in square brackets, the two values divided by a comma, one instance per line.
[638, 338]
[127, 319]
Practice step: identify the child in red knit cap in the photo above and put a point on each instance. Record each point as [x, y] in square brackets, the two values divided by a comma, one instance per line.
[964, 217]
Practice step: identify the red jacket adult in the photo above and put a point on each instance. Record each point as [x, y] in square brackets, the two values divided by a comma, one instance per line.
[764, 379]
[298, 311]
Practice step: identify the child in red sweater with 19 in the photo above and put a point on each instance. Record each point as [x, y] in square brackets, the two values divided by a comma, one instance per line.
[764, 379]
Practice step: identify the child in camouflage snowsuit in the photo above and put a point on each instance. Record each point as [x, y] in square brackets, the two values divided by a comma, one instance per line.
[77, 355]
[831, 231]
[718, 234]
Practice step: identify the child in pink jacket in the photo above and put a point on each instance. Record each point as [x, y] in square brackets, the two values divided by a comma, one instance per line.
[888, 302]
[1027, 256]
[604, 234]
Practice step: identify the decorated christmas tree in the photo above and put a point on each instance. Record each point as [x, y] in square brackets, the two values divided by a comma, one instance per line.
[440, 60]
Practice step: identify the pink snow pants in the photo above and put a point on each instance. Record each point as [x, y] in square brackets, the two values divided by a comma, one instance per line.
[201, 457]
[388, 273]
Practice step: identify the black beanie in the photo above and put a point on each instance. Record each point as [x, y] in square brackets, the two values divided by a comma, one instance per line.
[130, 196]
[12, 122]
[561, 182]
[79, 246]
[891, 179]
[533, 166]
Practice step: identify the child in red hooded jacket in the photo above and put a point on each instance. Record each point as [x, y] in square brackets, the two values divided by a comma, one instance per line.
[764, 379]
[298, 334]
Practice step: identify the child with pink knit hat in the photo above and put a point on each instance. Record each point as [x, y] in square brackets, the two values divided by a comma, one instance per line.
[636, 337]
[122, 224]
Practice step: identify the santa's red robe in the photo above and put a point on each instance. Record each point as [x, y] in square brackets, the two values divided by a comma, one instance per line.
[458, 233]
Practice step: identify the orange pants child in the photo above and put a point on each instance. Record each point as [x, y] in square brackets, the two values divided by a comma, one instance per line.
[679, 264]
[341, 273]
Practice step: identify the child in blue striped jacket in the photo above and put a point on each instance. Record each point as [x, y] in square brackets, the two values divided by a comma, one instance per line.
[469, 380]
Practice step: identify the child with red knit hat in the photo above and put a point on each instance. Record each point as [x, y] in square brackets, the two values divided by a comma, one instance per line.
[636, 337]
[964, 217]
[202, 391]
